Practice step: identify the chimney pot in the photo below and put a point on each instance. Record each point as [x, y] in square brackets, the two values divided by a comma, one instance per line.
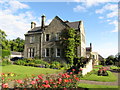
[43, 21]
[33, 25]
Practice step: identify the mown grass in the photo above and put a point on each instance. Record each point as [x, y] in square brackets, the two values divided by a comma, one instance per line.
[98, 66]
[84, 85]
[92, 76]
[114, 67]
[26, 71]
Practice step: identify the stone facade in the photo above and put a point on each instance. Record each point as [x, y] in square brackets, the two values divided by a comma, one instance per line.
[44, 41]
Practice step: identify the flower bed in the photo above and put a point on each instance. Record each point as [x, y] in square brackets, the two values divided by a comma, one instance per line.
[65, 80]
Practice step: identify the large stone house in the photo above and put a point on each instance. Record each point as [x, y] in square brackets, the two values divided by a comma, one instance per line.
[44, 41]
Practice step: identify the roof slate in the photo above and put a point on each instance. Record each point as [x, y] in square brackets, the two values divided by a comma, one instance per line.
[74, 25]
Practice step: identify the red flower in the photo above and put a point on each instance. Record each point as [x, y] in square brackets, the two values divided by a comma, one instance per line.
[46, 81]
[77, 78]
[67, 76]
[20, 81]
[46, 86]
[40, 77]
[73, 69]
[37, 79]
[65, 80]
[33, 82]
[5, 85]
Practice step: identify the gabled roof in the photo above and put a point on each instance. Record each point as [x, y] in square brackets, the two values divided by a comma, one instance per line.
[74, 25]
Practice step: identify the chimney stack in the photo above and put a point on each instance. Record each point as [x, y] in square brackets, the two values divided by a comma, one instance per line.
[91, 47]
[33, 25]
[43, 21]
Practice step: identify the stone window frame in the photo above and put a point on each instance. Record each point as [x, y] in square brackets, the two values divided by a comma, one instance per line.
[57, 52]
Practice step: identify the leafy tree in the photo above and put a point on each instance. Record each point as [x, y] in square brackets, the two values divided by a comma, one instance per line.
[17, 45]
[3, 41]
[110, 60]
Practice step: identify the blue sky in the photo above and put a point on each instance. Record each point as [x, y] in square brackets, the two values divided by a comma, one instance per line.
[100, 20]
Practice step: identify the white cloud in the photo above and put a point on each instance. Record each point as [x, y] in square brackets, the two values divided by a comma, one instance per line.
[110, 7]
[112, 14]
[79, 8]
[115, 23]
[110, 11]
[101, 17]
[15, 25]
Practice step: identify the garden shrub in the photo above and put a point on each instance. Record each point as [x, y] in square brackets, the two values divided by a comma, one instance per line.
[102, 72]
[5, 62]
[5, 53]
[20, 62]
[55, 64]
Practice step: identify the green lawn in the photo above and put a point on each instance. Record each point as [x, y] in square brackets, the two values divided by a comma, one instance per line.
[23, 71]
[98, 66]
[114, 67]
[94, 77]
[83, 85]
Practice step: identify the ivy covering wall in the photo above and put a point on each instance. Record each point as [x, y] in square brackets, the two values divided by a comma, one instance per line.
[71, 40]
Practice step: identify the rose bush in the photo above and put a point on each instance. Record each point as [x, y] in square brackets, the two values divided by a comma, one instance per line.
[61, 80]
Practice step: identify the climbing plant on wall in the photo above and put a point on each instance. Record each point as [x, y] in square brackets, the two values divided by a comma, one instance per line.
[70, 41]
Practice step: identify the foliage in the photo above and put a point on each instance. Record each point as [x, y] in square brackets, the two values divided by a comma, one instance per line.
[55, 64]
[60, 80]
[71, 40]
[17, 45]
[4, 42]
[5, 62]
[5, 53]
[93, 76]
[110, 60]
[102, 71]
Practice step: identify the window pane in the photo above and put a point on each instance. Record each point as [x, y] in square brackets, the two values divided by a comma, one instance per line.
[58, 52]
[47, 37]
[47, 51]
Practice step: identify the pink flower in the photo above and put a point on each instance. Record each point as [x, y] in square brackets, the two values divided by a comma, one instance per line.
[33, 82]
[5, 85]
[71, 72]
[65, 80]
[67, 76]
[20, 81]
[59, 79]
[73, 69]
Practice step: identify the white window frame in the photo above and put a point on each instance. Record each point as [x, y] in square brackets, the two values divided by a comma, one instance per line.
[57, 52]
[46, 52]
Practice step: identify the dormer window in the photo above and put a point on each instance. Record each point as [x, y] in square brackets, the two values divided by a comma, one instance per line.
[47, 37]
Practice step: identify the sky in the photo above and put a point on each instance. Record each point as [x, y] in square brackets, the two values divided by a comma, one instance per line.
[100, 19]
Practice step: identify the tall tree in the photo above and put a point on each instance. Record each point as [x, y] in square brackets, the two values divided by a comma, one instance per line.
[3, 41]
